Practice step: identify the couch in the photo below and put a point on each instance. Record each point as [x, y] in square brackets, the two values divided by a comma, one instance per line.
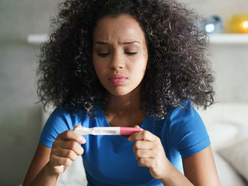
[227, 125]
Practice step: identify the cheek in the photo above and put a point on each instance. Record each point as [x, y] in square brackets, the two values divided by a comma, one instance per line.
[138, 69]
[144, 60]
[143, 63]
[97, 69]
[100, 70]
[97, 64]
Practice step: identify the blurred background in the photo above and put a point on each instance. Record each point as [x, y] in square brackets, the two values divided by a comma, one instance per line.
[21, 117]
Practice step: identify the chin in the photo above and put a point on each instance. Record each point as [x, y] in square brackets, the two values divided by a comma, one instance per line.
[118, 93]
[123, 92]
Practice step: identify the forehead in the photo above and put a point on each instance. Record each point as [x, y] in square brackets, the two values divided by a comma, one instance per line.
[121, 29]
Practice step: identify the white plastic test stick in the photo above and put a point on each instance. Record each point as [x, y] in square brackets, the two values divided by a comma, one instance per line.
[108, 130]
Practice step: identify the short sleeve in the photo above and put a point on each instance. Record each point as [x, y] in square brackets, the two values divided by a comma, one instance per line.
[58, 122]
[187, 131]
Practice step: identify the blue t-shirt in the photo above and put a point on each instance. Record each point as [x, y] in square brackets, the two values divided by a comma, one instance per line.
[110, 160]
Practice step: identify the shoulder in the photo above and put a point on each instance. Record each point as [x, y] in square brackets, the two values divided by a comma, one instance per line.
[183, 114]
[65, 117]
[62, 119]
[184, 120]
[65, 114]
[180, 120]
[187, 130]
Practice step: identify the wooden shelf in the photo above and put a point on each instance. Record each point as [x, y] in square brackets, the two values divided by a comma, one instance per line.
[229, 38]
[37, 38]
[214, 38]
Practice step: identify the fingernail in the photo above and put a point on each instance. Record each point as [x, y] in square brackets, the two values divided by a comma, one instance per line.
[83, 140]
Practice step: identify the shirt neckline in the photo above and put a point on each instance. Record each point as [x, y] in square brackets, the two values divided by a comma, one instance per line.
[101, 114]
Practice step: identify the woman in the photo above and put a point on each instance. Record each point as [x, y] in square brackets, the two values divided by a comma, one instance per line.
[128, 63]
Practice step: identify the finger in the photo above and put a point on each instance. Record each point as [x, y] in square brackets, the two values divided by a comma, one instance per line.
[144, 154]
[143, 135]
[145, 162]
[58, 160]
[143, 145]
[67, 154]
[74, 146]
[78, 126]
[59, 145]
[72, 135]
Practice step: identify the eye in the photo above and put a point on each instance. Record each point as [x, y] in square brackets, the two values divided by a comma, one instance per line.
[103, 54]
[130, 53]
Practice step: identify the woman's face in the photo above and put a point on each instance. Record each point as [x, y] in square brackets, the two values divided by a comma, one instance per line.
[119, 54]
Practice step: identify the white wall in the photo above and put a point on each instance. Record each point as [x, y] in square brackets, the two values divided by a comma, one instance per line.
[223, 8]
[229, 61]
[20, 116]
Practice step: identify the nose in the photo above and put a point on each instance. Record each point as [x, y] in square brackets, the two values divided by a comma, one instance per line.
[117, 62]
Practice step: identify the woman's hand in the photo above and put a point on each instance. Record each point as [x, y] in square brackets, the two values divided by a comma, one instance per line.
[66, 148]
[150, 153]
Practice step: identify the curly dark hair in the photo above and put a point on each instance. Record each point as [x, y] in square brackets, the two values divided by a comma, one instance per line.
[178, 68]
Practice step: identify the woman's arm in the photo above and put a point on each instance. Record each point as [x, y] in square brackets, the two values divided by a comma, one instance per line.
[39, 168]
[48, 164]
[200, 168]
[150, 153]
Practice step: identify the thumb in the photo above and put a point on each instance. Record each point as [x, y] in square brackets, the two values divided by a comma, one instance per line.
[136, 126]
[77, 126]
[83, 140]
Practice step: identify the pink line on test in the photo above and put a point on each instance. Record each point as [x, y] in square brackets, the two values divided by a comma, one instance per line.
[129, 130]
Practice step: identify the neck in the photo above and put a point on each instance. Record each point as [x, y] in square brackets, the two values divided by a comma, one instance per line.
[127, 103]
[124, 110]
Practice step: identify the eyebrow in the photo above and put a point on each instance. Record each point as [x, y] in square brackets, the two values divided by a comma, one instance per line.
[125, 43]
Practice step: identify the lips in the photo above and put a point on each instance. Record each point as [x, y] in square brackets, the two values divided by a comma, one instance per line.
[117, 79]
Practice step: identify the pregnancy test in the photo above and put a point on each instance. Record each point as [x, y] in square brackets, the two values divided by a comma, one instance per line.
[108, 130]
